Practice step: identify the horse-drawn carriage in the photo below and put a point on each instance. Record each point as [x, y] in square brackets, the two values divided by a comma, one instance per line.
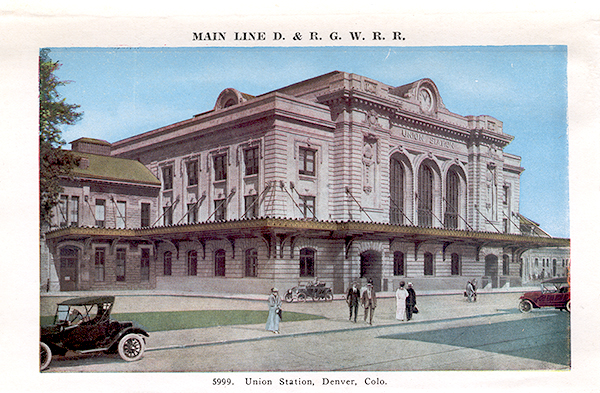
[312, 290]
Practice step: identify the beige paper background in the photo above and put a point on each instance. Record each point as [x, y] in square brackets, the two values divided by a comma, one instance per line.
[24, 28]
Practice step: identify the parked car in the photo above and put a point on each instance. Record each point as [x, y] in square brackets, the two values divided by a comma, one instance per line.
[83, 325]
[554, 293]
[312, 290]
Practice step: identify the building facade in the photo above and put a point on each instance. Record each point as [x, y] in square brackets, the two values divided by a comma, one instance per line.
[339, 178]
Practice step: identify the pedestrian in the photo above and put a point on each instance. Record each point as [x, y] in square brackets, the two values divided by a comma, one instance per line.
[472, 290]
[352, 300]
[369, 302]
[411, 301]
[401, 296]
[274, 311]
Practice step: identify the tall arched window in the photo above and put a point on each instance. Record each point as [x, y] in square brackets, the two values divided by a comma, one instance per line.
[251, 262]
[307, 262]
[396, 192]
[192, 263]
[452, 200]
[455, 264]
[428, 264]
[399, 263]
[220, 263]
[505, 265]
[167, 259]
[425, 196]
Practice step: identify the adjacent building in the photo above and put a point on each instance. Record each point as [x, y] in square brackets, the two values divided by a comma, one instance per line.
[339, 177]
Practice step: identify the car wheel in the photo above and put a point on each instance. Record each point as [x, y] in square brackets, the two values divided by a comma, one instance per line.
[328, 297]
[45, 356]
[568, 306]
[525, 305]
[131, 347]
[289, 298]
[301, 297]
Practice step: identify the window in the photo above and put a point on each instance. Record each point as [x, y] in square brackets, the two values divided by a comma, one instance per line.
[74, 211]
[192, 263]
[63, 211]
[428, 264]
[452, 201]
[307, 204]
[99, 264]
[167, 259]
[399, 263]
[168, 215]
[251, 161]
[307, 262]
[536, 262]
[220, 210]
[506, 198]
[396, 192]
[505, 265]
[145, 215]
[167, 173]
[220, 166]
[100, 210]
[425, 196]
[505, 224]
[192, 172]
[121, 214]
[145, 264]
[192, 213]
[455, 264]
[307, 161]
[251, 262]
[251, 207]
[120, 264]
[220, 263]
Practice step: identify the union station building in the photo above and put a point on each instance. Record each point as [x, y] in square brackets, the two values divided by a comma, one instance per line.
[339, 177]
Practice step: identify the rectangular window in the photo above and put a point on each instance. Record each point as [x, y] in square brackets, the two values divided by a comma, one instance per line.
[100, 210]
[168, 215]
[192, 172]
[63, 211]
[307, 161]
[251, 207]
[192, 213]
[506, 195]
[398, 263]
[167, 173]
[220, 164]
[505, 222]
[145, 265]
[74, 211]
[145, 215]
[121, 214]
[251, 161]
[307, 204]
[120, 264]
[99, 264]
[220, 210]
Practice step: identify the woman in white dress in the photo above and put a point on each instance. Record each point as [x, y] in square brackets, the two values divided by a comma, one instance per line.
[401, 295]
[274, 307]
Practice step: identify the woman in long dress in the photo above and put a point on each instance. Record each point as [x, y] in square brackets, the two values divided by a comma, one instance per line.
[401, 295]
[274, 307]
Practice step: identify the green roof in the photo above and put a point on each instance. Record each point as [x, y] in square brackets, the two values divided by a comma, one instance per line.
[114, 169]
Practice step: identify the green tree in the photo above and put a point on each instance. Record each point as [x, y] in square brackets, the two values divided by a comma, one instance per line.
[54, 111]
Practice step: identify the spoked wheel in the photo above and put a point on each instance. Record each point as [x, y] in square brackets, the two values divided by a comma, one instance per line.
[568, 306]
[301, 297]
[131, 347]
[45, 356]
[328, 297]
[289, 297]
[525, 306]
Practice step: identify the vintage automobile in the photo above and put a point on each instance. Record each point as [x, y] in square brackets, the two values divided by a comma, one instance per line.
[313, 290]
[83, 325]
[554, 293]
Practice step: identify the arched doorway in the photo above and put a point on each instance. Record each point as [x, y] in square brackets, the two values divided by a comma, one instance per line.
[69, 268]
[370, 267]
[491, 269]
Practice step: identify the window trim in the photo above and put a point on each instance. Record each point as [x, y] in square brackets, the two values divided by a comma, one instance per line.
[303, 155]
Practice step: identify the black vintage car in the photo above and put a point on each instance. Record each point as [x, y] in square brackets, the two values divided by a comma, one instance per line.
[83, 325]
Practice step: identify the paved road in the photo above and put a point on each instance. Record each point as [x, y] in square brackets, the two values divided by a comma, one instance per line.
[448, 334]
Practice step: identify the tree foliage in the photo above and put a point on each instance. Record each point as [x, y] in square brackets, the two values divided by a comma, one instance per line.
[54, 111]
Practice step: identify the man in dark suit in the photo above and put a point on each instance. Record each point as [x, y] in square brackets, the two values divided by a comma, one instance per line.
[411, 301]
[369, 302]
[352, 300]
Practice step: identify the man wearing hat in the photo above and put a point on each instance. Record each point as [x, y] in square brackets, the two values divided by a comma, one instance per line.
[352, 300]
[369, 301]
[411, 301]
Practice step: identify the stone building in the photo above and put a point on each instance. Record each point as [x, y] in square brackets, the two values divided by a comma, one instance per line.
[339, 177]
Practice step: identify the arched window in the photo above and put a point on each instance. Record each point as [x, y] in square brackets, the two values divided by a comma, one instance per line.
[452, 200]
[455, 264]
[220, 263]
[505, 265]
[396, 192]
[399, 263]
[192, 263]
[251, 262]
[167, 259]
[307, 262]
[428, 264]
[425, 196]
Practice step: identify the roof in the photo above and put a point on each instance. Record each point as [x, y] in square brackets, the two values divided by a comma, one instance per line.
[114, 169]
[89, 300]
[533, 226]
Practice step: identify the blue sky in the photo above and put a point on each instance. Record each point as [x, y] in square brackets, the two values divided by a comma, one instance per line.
[126, 91]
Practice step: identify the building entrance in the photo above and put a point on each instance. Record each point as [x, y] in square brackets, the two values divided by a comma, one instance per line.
[69, 262]
[491, 269]
[370, 267]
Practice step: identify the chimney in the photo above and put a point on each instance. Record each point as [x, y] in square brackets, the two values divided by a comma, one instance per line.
[92, 146]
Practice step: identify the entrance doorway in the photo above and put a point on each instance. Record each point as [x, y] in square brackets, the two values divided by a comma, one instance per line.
[491, 269]
[69, 274]
[370, 267]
